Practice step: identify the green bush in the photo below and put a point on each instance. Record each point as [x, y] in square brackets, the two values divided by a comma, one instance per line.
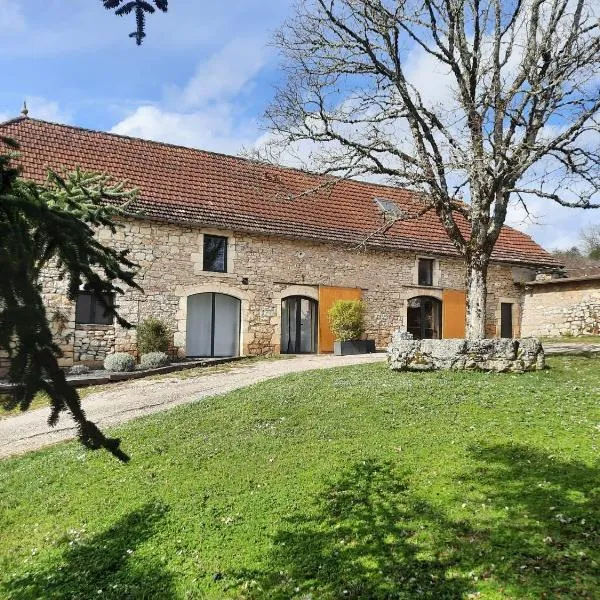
[346, 318]
[152, 360]
[119, 362]
[152, 336]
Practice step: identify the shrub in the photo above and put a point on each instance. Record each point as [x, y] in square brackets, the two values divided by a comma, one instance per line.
[152, 336]
[79, 370]
[119, 362]
[152, 360]
[346, 318]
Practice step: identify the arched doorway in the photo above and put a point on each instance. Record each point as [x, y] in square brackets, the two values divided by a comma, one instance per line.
[298, 325]
[213, 325]
[424, 317]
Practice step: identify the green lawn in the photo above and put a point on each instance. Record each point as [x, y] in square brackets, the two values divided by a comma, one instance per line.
[578, 339]
[346, 483]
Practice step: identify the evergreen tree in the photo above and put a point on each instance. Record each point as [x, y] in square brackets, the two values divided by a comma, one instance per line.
[46, 224]
[140, 8]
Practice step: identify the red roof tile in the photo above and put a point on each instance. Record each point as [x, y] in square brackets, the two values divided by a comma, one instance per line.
[189, 186]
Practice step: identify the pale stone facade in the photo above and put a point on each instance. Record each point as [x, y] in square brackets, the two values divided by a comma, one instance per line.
[262, 270]
[562, 307]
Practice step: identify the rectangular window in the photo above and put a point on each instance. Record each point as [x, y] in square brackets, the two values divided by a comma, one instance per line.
[425, 271]
[90, 311]
[215, 253]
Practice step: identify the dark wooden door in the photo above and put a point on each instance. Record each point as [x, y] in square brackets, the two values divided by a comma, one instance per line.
[506, 320]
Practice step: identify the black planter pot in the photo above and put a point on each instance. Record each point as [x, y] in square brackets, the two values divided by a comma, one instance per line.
[353, 347]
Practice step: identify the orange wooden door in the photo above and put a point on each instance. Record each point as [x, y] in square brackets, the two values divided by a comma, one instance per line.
[454, 314]
[327, 296]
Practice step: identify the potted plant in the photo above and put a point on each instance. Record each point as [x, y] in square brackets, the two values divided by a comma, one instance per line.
[346, 318]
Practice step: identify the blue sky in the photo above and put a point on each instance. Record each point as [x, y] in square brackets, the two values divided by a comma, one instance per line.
[202, 78]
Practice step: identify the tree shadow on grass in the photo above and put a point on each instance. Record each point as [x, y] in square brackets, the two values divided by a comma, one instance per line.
[363, 540]
[104, 566]
[547, 544]
[531, 530]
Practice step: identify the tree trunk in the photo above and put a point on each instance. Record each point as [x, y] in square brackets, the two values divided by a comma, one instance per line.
[476, 298]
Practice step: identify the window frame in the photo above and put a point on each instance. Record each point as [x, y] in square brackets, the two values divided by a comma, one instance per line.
[95, 304]
[225, 239]
[430, 279]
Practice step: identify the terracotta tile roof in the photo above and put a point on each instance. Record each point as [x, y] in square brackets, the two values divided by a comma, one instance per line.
[579, 266]
[190, 186]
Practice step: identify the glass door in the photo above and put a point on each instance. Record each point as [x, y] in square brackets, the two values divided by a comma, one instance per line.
[213, 325]
[424, 318]
[298, 325]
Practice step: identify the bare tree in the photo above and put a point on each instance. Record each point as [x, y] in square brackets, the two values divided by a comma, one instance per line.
[514, 113]
[590, 236]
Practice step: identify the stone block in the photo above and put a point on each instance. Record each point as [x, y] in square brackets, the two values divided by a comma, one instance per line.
[497, 355]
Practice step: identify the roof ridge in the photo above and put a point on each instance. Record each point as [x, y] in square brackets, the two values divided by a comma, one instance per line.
[14, 120]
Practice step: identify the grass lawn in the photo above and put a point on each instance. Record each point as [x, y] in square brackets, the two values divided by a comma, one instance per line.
[347, 483]
[578, 339]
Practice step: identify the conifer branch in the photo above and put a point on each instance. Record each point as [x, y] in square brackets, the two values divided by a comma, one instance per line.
[55, 223]
[139, 8]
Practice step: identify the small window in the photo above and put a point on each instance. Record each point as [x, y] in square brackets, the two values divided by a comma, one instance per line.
[425, 271]
[90, 311]
[215, 253]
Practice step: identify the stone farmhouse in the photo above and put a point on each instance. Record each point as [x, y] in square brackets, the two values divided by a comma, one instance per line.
[241, 257]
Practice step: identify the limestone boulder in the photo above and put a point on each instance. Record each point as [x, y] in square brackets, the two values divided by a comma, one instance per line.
[497, 355]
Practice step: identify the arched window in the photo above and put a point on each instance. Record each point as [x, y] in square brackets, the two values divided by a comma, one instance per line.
[424, 317]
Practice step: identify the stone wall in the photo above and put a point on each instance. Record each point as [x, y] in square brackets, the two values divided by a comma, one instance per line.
[562, 308]
[497, 355]
[92, 343]
[261, 271]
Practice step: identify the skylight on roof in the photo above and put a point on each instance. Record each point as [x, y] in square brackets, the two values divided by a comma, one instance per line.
[389, 208]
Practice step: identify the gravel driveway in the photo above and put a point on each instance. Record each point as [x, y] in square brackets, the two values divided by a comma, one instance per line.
[126, 401]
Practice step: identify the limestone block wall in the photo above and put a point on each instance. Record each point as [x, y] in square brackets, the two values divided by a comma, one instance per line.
[93, 342]
[562, 308]
[262, 270]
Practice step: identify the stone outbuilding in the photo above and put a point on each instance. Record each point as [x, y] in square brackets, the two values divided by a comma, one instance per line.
[242, 257]
[563, 306]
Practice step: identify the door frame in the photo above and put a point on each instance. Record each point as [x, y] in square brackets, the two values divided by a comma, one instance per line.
[182, 292]
[516, 316]
[504, 325]
[435, 301]
[213, 295]
[315, 332]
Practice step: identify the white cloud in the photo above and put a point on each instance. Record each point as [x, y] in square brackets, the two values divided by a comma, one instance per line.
[225, 74]
[39, 108]
[550, 224]
[213, 128]
[47, 110]
[209, 111]
[11, 16]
